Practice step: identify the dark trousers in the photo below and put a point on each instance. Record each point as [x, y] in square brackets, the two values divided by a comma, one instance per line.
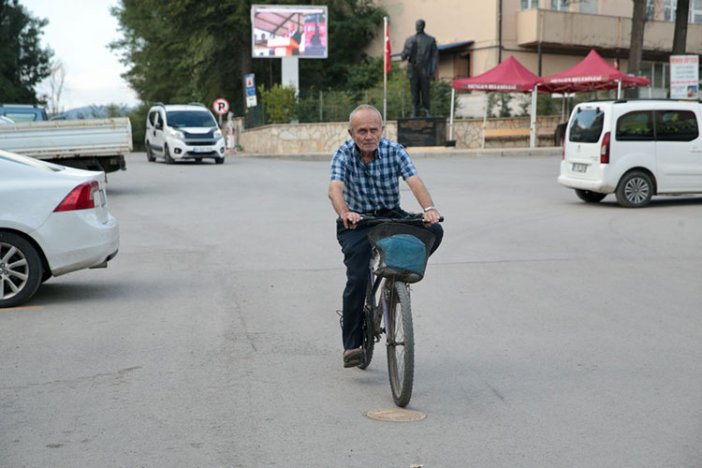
[357, 256]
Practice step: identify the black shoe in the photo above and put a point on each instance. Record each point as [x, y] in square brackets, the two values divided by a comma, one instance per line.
[353, 357]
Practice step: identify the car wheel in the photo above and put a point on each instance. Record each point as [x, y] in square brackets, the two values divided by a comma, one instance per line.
[219, 160]
[590, 197]
[167, 155]
[149, 153]
[21, 270]
[635, 190]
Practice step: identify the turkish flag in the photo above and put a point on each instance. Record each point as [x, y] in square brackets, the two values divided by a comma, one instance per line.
[387, 49]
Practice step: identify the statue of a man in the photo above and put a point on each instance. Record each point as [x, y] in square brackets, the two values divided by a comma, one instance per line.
[423, 56]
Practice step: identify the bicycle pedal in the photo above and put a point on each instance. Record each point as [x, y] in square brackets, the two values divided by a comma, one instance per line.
[341, 318]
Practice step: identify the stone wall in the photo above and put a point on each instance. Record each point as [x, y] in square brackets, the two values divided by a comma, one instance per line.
[326, 137]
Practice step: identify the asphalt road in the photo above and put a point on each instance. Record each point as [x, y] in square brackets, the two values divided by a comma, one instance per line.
[550, 333]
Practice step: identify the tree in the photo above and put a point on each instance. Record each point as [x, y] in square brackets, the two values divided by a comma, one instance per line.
[682, 10]
[55, 83]
[23, 62]
[638, 24]
[188, 50]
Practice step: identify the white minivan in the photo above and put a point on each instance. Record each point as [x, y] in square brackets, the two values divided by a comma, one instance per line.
[183, 132]
[634, 149]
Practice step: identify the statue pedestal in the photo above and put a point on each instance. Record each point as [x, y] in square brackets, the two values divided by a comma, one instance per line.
[421, 131]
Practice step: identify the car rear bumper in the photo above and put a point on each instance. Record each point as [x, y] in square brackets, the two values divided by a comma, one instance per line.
[584, 184]
[77, 240]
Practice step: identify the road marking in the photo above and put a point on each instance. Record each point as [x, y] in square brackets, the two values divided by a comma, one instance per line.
[12, 309]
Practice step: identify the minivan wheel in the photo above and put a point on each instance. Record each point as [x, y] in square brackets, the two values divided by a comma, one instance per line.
[150, 153]
[590, 197]
[219, 160]
[21, 270]
[635, 190]
[167, 155]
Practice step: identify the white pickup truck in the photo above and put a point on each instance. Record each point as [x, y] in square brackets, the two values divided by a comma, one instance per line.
[94, 144]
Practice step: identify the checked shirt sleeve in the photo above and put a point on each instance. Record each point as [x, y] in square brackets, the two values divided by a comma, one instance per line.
[339, 164]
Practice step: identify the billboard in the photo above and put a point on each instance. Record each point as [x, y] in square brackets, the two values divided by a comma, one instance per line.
[289, 31]
[684, 76]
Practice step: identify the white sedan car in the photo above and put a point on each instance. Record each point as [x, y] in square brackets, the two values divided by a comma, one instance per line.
[53, 220]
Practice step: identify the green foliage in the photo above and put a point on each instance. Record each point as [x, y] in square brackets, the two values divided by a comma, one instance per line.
[499, 105]
[138, 119]
[279, 102]
[399, 97]
[188, 50]
[545, 105]
[23, 63]
[440, 99]
[325, 106]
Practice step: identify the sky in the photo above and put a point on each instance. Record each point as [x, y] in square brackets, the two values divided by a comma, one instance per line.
[79, 32]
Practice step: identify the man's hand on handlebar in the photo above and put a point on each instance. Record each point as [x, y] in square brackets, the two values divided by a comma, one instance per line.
[350, 219]
[432, 216]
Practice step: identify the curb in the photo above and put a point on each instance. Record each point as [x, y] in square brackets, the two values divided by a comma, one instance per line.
[423, 152]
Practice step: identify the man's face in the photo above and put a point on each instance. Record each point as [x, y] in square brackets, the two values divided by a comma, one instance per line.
[366, 130]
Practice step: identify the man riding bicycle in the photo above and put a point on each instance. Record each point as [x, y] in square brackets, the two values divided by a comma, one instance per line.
[365, 174]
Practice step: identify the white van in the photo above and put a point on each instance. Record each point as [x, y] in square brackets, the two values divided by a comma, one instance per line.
[183, 132]
[634, 149]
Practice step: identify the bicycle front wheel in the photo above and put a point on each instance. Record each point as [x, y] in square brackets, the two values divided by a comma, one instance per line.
[400, 342]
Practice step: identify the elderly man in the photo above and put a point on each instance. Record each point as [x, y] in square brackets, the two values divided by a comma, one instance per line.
[365, 173]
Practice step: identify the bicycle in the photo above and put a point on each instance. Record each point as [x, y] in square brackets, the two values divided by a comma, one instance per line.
[388, 308]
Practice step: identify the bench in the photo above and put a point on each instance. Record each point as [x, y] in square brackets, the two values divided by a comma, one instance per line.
[506, 133]
[511, 134]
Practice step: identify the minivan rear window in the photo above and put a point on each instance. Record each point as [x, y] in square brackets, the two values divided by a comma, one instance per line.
[586, 125]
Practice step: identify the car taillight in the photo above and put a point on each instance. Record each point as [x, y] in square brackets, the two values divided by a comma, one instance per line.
[604, 149]
[81, 198]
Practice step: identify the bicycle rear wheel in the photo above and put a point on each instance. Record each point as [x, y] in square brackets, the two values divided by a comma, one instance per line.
[400, 342]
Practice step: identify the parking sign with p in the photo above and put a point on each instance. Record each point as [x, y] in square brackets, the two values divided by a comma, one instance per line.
[220, 106]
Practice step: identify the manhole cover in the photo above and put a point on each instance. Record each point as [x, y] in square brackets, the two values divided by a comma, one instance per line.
[396, 415]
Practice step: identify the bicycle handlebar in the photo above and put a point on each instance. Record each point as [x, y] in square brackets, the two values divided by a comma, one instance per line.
[372, 220]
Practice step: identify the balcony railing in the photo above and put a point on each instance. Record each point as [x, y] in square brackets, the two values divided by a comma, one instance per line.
[560, 29]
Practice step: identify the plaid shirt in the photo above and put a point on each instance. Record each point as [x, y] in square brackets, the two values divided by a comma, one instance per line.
[375, 186]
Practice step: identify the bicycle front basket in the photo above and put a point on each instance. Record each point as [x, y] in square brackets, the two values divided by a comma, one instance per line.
[400, 251]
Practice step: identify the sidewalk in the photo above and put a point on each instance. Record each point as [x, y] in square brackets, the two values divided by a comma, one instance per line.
[424, 152]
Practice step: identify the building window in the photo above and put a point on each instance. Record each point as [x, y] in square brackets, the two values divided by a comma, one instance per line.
[529, 4]
[588, 6]
[696, 11]
[561, 5]
[657, 73]
[650, 10]
[669, 9]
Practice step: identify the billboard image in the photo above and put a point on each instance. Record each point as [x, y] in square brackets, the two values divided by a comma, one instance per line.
[289, 31]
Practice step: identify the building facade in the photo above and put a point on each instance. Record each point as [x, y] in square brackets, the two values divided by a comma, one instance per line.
[547, 36]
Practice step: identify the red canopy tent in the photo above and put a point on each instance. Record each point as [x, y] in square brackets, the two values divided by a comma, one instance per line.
[593, 73]
[509, 76]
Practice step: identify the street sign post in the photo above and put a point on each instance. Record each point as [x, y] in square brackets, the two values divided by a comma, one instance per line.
[221, 107]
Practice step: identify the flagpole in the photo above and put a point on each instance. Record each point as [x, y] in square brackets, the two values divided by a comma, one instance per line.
[385, 68]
